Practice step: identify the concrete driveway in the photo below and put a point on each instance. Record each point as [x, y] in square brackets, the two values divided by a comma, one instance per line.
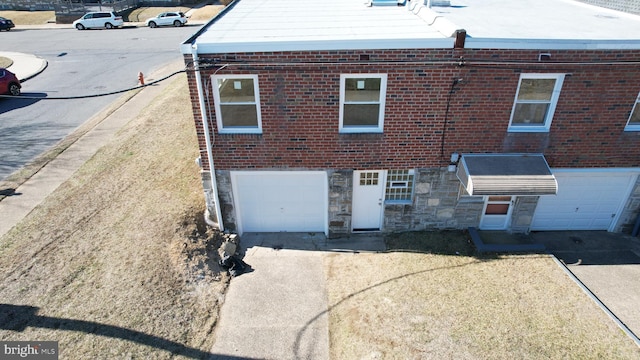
[279, 310]
[608, 264]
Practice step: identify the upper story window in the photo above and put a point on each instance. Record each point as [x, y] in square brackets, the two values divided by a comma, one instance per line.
[237, 103]
[362, 102]
[634, 119]
[535, 102]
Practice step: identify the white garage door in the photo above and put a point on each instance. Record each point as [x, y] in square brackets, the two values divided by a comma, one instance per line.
[585, 201]
[274, 201]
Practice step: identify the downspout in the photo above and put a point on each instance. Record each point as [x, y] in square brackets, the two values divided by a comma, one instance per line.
[207, 137]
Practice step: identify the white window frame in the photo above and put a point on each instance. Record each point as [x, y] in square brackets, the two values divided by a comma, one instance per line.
[381, 101]
[634, 126]
[216, 97]
[559, 78]
[399, 184]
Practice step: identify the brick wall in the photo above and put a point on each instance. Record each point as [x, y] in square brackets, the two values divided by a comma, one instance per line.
[300, 109]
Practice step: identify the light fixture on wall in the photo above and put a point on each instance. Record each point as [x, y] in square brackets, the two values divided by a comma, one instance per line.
[453, 162]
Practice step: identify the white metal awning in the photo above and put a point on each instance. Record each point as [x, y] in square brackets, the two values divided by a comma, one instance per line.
[506, 174]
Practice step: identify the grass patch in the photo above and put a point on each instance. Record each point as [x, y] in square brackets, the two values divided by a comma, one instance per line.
[141, 14]
[5, 62]
[438, 301]
[117, 259]
[446, 242]
[204, 13]
[29, 17]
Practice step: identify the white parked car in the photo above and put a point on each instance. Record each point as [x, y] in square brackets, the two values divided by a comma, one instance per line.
[172, 18]
[94, 20]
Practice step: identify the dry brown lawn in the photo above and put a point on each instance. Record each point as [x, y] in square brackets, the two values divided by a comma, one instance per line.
[116, 263]
[5, 62]
[443, 303]
[29, 17]
[204, 13]
[143, 13]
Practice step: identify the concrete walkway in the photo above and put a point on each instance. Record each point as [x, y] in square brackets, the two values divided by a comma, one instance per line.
[279, 309]
[608, 264]
[25, 66]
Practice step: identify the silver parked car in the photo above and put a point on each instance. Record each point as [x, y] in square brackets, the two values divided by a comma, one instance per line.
[172, 18]
[96, 20]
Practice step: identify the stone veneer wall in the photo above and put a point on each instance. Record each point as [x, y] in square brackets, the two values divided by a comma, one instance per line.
[225, 196]
[340, 199]
[437, 204]
[631, 211]
[522, 213]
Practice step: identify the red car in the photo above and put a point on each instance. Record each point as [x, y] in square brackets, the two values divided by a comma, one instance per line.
[9, 83]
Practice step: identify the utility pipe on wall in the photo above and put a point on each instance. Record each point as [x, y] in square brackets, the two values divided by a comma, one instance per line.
[207, 137]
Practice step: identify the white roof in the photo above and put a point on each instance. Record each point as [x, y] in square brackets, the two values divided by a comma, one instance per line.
[289, 25]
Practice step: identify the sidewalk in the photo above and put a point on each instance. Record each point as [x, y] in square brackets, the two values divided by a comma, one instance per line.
[25, 66]
[31, 193]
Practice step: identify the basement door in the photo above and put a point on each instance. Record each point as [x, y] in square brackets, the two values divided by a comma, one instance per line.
[497, 212]
[368, 199]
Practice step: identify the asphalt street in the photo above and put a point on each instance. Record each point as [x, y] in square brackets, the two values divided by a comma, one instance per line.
[79, 66]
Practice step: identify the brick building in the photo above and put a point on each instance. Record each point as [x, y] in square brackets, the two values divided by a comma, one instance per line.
[341, 117]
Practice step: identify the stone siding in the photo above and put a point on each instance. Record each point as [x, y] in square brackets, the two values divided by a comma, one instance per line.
[631, 211]
[522, 213]
[225, 196]
[434, 203]
[340, 199]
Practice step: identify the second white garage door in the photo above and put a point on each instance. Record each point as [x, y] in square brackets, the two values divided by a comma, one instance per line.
[275, 201]
[585, 201]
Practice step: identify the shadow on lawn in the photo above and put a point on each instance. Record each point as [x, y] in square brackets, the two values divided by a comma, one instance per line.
[18, 317]
[296, 345]
[442, 242]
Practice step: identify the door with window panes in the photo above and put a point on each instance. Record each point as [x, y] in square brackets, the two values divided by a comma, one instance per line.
[497, 212]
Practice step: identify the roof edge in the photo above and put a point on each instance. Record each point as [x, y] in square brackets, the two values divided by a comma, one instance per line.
[187, 45]
[321, 45]
[550, 44]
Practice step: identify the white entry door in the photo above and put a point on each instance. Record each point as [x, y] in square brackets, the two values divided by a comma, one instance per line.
[368, 200]
[497, 212]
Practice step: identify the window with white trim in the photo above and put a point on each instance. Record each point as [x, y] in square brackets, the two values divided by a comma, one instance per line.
[399, 187]
[633, 124]
[535, 102]
[362, 99]
[237, 104]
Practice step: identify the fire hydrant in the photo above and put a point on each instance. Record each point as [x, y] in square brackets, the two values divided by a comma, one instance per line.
[141, 78]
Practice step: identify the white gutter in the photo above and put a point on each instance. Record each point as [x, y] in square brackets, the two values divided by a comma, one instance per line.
[207, 137]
